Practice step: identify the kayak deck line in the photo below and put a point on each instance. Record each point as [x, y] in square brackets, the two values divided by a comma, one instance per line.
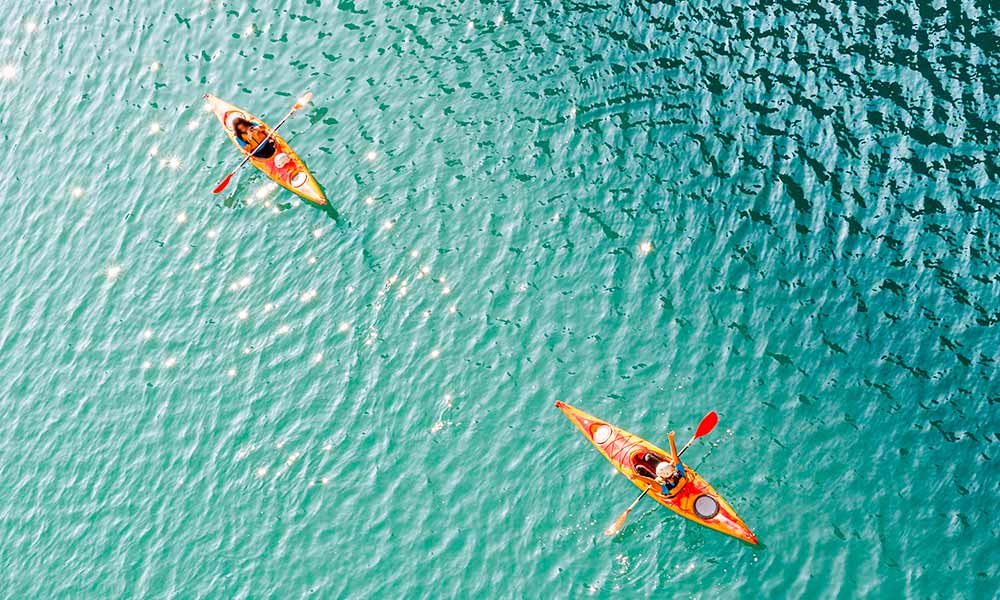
[696, 500]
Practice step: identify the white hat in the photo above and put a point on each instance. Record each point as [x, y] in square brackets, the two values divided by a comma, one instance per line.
[665, 469]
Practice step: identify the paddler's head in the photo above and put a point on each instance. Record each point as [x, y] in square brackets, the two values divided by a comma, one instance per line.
[241, 125]
[666, 470]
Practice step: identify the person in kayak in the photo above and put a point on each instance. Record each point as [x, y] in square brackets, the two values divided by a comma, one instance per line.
[252, 137]
[670, 474]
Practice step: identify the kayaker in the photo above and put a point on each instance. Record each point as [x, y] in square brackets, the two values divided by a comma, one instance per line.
[251, 137]
[670, 475]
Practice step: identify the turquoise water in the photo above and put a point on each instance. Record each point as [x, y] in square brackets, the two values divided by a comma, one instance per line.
[783, 212]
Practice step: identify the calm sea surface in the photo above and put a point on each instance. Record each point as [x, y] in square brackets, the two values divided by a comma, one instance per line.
[786, 212]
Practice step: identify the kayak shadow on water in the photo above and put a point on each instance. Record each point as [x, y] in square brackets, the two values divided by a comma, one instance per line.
[330, 212]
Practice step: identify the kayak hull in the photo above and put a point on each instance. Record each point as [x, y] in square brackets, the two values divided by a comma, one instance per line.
[696, 500]
[284, 167]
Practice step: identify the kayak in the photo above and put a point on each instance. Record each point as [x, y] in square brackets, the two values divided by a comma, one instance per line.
[630, 454]
[284, 166]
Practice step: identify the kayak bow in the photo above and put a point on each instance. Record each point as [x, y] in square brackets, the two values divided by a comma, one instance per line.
[696, 500]
[284, 166]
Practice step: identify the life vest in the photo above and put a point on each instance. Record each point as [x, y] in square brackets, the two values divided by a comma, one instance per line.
[255, 137]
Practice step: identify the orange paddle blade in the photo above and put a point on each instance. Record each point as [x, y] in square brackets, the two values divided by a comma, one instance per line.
[618, 524]
[303, 100]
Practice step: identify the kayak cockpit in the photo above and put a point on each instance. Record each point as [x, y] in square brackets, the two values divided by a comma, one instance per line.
[644, 463]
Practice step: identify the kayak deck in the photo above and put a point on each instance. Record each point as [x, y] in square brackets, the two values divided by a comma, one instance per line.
[284, 166]
[695, 500]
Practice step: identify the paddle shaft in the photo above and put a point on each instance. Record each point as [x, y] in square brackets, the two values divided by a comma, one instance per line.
[687, 445]
[641, 496]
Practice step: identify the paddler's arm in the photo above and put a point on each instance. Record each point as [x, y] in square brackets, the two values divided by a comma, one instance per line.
[676, 457]
[673, 449]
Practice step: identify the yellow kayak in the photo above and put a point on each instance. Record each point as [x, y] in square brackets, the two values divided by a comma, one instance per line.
[636, 459]
[283, 166]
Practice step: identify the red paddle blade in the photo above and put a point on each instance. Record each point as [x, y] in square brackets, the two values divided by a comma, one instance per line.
[707, 424]
[224, 183]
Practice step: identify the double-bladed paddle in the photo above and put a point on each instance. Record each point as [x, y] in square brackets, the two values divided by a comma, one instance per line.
[299, 104]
